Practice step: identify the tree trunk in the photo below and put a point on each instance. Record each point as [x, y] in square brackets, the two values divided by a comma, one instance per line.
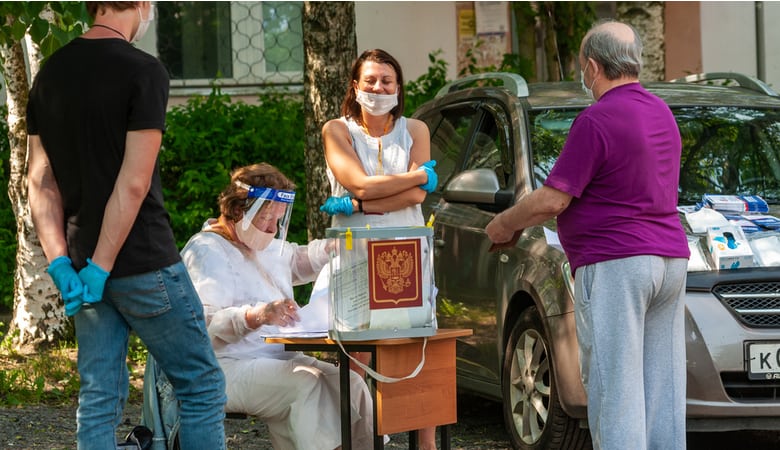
[38, 312]
[648, 19]
[330, 45]
[526, 26]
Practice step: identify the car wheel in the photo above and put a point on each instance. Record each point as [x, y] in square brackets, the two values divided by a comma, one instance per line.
[532, 412]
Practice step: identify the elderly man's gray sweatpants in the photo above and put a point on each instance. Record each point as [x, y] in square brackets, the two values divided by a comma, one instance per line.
[630, 327]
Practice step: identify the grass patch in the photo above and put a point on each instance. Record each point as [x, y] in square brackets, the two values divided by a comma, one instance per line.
[51, 376]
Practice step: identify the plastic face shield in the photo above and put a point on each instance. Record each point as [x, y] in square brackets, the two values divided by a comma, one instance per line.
[269, 206]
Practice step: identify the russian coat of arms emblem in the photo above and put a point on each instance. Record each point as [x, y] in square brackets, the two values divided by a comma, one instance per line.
[394, 273]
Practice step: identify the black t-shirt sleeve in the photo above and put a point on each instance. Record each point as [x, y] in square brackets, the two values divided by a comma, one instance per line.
[32, 122]
[149, 98]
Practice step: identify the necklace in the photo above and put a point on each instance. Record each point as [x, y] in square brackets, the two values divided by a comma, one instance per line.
[109, 28]
[379, 169]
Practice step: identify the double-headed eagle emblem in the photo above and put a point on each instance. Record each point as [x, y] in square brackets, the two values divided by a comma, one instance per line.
[394, 268]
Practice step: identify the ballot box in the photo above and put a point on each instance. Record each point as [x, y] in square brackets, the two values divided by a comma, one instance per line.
[381, 283]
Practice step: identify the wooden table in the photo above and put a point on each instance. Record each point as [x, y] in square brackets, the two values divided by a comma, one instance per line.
[427, 400]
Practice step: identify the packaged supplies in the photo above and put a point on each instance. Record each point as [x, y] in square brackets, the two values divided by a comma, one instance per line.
[698, 260]
[754, 203]
[742, 222]
[729, 247]
[701, 220]
[766, 249]
[764, 221]
[736, 203]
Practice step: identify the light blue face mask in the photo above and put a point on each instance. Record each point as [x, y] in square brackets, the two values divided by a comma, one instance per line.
[588, 90]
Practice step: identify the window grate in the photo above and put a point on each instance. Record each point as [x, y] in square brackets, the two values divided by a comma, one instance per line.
[238, 43]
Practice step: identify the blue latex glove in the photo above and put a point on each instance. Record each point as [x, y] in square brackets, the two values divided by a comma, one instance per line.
[68, 282]
[65, 277]
[94, 279]
[433, 179]
[338, 205]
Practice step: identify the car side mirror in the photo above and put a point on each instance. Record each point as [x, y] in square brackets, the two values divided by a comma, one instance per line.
[479, 187]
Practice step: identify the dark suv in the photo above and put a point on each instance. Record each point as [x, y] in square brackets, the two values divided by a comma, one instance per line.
[495, 138]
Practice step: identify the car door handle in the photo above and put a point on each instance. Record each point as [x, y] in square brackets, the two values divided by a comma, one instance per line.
[438, 243]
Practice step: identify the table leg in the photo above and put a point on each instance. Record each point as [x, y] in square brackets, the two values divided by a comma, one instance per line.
[444, 433]
[346, 403]
[414, 437]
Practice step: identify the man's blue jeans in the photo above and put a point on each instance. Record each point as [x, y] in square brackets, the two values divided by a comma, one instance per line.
[164, 310]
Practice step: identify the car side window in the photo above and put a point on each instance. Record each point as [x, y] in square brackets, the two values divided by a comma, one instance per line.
[450, 128]
[549, 130]
[489, 149]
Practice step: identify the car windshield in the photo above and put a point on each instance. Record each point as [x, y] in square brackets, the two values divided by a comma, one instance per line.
[726, 151]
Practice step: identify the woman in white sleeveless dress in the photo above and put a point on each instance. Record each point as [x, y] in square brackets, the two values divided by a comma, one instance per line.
[378, 162]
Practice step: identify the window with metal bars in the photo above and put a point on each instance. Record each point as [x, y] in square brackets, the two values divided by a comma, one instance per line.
[237, 43]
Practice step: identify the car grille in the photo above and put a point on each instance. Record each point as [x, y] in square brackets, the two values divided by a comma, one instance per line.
[739, 388]
[755, 304]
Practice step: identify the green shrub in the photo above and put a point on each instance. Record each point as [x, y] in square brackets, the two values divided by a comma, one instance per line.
[425, 87]
[210, 136]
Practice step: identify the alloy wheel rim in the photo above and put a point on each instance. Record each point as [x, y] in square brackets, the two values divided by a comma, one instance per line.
[529, 388]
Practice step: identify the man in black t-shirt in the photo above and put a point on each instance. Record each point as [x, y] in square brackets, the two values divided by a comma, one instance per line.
[95, 121]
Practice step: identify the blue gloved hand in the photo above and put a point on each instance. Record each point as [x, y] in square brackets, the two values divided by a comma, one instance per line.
[338, 205]
[68, 282]
[94, 279]
[433, 179]
[65, 277]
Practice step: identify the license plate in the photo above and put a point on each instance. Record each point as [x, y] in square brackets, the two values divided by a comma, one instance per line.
[763, 361]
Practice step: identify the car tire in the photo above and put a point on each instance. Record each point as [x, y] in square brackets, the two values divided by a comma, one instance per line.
[532, 413]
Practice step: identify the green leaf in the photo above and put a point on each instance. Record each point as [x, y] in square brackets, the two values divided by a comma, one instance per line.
[18, 29]
[48, 45]
[62, 37]
[39, 29]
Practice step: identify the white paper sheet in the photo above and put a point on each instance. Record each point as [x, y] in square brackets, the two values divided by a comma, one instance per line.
[552, 238]
[314, 315]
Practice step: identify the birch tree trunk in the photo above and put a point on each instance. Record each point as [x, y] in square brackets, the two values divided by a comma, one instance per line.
[330, 45]
[39, 316]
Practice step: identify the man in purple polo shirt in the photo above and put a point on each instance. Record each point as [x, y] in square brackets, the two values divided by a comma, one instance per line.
[614, 192]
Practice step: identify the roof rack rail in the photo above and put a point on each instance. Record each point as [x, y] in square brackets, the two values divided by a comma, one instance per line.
[511, 81]
[745, 81]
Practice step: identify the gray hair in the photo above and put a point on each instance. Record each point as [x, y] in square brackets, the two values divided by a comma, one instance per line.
[618, 58]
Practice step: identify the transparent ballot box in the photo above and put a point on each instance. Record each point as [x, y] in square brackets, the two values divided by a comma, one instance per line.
[381, 283]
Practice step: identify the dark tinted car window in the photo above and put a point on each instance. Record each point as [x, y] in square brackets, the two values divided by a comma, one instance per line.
[549, 130]
[449, 135]
[490, 147]
[726, 150]
[729, 150]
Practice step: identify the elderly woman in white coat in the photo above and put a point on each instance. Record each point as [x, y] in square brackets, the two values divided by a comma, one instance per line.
[244, 271]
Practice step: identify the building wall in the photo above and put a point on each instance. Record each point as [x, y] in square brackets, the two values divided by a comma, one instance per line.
[682, 36]
[709, 36]
[728, 37]
[772, 44]
[409, 31]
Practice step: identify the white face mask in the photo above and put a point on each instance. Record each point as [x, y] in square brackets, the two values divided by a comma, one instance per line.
[588, 90]
[253, 238]
[143, 25]
[376, 104]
